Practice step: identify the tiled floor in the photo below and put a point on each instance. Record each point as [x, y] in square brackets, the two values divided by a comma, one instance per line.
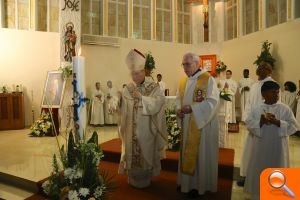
[30, 158]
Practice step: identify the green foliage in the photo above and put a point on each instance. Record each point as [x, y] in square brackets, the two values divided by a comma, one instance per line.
[220, 66]
[71, 155]
[80, 177]
[42, 126]
[265, 55]
[150, 62]
[66, 69]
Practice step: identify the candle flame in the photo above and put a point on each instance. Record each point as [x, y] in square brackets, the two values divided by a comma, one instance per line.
[79, 51]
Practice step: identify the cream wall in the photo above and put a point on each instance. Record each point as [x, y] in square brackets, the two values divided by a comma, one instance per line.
[242, 52]
[108, 63]
[25, 58]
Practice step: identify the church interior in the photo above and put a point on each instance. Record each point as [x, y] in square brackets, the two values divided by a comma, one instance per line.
[53, 52]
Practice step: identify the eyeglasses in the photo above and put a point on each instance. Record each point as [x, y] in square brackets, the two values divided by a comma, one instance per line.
[186, 64]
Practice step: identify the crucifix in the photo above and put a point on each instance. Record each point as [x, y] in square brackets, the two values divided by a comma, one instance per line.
[206, 20]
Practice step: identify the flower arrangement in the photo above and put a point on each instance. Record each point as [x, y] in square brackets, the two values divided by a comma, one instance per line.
[220, 67]
[224, 94]
[173, 129]
[150, 63]
[265, 55]
[79, 177]
[42, 126]
[66, 69]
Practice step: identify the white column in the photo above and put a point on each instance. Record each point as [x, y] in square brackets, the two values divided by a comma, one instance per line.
[262, 14]
[293, 9]
[1, 13]
[240, 18]
[16, 15]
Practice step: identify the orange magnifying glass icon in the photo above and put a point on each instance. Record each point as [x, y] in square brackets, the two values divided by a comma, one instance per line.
[277, 180]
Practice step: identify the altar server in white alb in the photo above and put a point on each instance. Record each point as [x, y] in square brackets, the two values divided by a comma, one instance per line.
[197, 102]
[263, 71]
[97, 111]
[111, 103]
[289, 95]
[231, 85]
[270, 123]
[143, 125]
[244, 89]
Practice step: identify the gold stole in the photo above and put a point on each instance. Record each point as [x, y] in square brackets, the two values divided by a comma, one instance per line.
[189, 155]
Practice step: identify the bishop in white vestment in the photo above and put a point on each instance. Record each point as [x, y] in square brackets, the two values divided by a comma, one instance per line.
[97, 112]
[231, 85]
[244, 89]
[270, 124]
[143, 125]
[197, 103]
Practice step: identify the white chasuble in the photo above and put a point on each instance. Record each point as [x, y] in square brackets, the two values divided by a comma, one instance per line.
[205, 176]
[244, 82]
[143, 133]
[97, 112]
[255, 98]
[270, 143]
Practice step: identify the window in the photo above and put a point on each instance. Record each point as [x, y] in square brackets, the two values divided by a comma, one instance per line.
[230, 19]
[117, 18]
[163, 20]
[142, 19]
[91, 17]
[276, 12]
[250, 16]
[9, 14]
[23, 14]
[42, 15]
[53, 15]
[16, 14]
[184, 22]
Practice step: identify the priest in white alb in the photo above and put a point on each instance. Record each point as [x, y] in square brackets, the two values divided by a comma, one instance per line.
[231, 85]
[97, 112]
[244, 89]
[197, 102]
[111, 103]
[143, 125]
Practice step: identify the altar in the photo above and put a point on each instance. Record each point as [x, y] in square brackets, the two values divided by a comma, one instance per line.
[171, 102]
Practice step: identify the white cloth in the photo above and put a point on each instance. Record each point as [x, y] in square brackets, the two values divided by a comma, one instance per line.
[231, 104]
[223, 115]
[270, 143]
[255, 98]
[206, 173]
[111, 103]
[143, 133]
[244, 82]
[290, 99]
[97, 111]
[162, 86]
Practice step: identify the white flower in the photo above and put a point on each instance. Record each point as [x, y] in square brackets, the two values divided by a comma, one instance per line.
[73, 195]
[78, 174]
[68, 172]
[84, 191]
[46, 187]
[99, 191]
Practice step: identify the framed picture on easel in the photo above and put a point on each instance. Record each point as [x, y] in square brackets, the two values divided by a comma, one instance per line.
[209, 62]
[53, 90]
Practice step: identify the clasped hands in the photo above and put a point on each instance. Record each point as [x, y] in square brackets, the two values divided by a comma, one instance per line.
[187, 109]
[136, 94]
[269, 119]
